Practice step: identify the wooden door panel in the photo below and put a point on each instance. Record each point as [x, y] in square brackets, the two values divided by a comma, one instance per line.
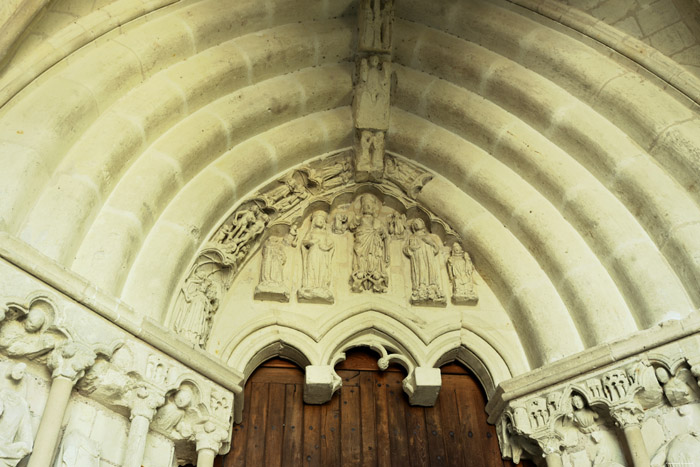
[367, 423]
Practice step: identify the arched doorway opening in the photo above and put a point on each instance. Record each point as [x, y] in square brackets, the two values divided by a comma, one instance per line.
[368, 421]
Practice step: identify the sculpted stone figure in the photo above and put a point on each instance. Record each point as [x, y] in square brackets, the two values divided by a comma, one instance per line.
[24, 338]
[370, 248]
[583, 417]
[171, 416]
[679, 389]
[242, 220]
[460, 269]
[192, 318]
[340, 223]
[245, 232]
[397, 224]
[423, 250]
[375, 25]
[372, 94]
[369, 155]
[317, 249]
[16, 437]
[408, 177]
[286, 195]
[272, 285]
[333, 175]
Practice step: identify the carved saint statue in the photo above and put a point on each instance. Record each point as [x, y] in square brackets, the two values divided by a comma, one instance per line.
[272, 285]
[370, 248]
[16, 438]
[193, 314]
[583, 417]
[372, 95]
[369, 155]
[461, 270]
[317, 249]
[423, 250]
[375, 25]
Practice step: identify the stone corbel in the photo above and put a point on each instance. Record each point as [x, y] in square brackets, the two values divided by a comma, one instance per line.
[320, 383]
[423, 386]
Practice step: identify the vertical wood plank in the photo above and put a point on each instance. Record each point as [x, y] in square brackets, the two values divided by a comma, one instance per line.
[368, 419]
[350, 449]
[274, 428]
[293, 429]
[382, 412]
[312, 436]
[255, 448]
[449, 415]
[417, 436]
[330, 431]
[396, 403]
[239, 438]
[436, 446]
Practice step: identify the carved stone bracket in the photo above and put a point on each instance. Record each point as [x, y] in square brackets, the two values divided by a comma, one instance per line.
[320, 383]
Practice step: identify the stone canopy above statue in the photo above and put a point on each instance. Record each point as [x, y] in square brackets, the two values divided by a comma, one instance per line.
[315, 233]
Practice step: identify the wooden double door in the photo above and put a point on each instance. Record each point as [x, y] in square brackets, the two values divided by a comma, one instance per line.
[367, 423]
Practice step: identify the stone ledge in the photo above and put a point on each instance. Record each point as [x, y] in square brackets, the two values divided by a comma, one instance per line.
[589, 360]
[114, 310]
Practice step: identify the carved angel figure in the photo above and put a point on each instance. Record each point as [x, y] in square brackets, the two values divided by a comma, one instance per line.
[333, 175]
[460, 269]
[192, 318]
[25, 339]
[370, 248]
[317, 249]
[16, 438]
[272, 285]
[409, 178]
[372, 94]
[286, 195]
[171, 416]
[583, 417]
[397, 224]
[375, 25]
[423, 250]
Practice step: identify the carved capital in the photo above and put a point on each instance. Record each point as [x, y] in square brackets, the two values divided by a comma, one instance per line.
[627, 415]
[144, 401]
[209, 436]
[71, 360]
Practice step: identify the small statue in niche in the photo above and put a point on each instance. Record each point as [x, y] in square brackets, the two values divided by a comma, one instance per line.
[423, 250]
[171, 416]
[340, 223]
[461, 272]
[679, 389]
[583, 417]
[375, 25]
[193, 315]
[370, 248]
[272, 285]
[369, 155]
[397, 225]
[16, 437]
[317, 249]
[372, 94]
